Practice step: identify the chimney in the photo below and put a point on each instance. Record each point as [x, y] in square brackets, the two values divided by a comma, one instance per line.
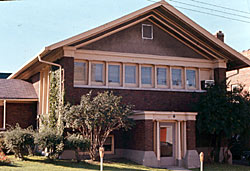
[220, 35]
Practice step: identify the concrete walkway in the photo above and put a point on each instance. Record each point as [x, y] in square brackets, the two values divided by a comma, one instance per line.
[177, 169]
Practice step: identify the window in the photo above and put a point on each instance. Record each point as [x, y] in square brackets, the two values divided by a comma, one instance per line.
[147, 31]
[109, 145]
[176, 77]
[146, 75]
[80, 72]
[191, 78]
[130, 74]
[114, 73]
[162, 76]
[97, 72]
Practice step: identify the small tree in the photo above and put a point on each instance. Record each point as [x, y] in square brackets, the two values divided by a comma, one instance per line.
[95, 118]
[223, 114]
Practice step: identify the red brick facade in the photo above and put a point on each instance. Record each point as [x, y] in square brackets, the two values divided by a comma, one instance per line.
[141, 136]
[191, 135]
[22, 113]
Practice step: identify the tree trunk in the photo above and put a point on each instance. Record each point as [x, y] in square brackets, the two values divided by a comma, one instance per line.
[217, 148]
[93, 152]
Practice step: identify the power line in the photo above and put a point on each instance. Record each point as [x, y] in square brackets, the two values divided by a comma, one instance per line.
[218, 6]
[210, 9]
[216, 15]
[244, 21]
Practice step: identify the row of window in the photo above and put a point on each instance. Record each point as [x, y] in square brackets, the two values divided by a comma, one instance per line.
[133, 75]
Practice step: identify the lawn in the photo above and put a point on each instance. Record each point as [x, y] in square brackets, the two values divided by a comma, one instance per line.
[41, 163]
[224, 167]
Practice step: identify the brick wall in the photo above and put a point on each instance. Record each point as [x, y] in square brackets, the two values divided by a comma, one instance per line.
[220, 75]
[191, 135]
[140, 137]
[22, 113]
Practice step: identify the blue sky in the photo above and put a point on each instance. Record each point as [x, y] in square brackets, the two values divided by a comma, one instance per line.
[26, 26]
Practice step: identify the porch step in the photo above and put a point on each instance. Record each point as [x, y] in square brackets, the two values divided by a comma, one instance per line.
[174, 168]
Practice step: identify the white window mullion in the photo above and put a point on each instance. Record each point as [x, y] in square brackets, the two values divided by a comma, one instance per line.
[170, 77]
[106, 74]
[123, 75]
[89, 74]
[139, 73]
[199, 79]
[155, 76]
[185, 78]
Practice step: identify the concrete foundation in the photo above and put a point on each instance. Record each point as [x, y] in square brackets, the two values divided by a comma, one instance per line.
[146, 158]
[191, 159]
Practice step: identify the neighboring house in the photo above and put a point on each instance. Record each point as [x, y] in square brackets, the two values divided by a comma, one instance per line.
[240, 77]
[4, 75]
[18, 101]
[155, 58]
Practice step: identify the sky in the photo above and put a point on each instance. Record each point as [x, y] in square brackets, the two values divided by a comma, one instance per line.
[26, 26]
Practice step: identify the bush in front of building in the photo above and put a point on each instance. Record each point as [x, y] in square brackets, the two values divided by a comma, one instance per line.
[77, 143]
[19, 141]
[50, 141]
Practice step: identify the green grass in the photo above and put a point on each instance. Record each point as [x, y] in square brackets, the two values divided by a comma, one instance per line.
[37, 163]
[224, 167]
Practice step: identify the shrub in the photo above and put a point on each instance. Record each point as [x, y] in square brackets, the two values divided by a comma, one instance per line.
[19, 141]
[77, 143]
[50, 141]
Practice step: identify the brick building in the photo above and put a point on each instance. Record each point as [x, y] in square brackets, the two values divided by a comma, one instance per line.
[156, 59]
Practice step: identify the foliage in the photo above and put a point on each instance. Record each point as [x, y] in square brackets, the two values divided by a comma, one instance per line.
[95, 118]
[223, 113]
[50, 120]
[77, 142]
[50, 141]
[19, 141]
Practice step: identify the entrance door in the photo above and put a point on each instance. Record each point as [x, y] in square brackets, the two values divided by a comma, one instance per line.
[167, 144]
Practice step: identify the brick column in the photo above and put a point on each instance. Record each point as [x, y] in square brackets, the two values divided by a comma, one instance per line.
[191, 136]
[220, 75]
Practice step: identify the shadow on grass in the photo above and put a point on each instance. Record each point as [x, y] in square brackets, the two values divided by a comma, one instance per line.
[88, 165]
[8, 164]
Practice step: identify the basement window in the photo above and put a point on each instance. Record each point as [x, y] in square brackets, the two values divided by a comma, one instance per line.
[147, 31]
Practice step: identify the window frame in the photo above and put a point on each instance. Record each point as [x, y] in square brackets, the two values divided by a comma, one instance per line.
[196, 79]
[103, 73]
[167, 77]
[182, 78]
[136, 75]
[83, 82]
[152, 32]
[112, 145]
[120, 79]
[152, 76]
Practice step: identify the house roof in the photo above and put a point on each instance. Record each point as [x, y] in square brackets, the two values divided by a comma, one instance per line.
[4, 75]
[16, 89]
[165, 16]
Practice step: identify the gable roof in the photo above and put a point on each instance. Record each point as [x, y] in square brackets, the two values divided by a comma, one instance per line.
[165, 16]
[16, 89]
